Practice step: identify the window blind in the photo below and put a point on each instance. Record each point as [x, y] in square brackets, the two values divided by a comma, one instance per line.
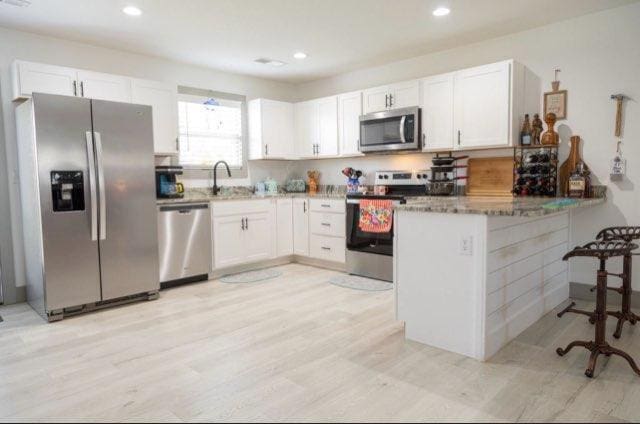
[210, 130]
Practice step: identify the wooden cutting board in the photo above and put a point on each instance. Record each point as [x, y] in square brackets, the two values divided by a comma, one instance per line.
[490, 177]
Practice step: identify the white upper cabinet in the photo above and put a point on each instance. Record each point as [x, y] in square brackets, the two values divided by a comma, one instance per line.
[96, 85]
[327, 127]
[394, 96]
[482, 106]
[349, 111]
[163, 98]
[404, 94]
[29, 77]
[316, 128]
[305, 129]
[271, 129]
[437, 113]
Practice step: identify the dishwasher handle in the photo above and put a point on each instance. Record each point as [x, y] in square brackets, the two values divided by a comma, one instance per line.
[183, 209]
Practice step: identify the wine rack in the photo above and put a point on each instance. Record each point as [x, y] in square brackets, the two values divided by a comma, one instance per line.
[535, 171]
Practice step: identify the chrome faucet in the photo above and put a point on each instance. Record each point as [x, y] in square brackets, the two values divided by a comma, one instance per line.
[216, 189]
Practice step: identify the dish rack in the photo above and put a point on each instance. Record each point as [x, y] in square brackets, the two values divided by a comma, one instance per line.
[444, 175]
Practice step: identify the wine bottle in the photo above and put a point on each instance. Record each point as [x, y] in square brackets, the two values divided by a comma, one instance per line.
[525, 134]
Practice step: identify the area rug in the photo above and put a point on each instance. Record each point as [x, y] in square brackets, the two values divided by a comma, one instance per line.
[251, 276]
[360, 283]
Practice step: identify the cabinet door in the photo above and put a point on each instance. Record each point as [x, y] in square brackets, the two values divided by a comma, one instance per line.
[404, 94]
[327, 126]
[228, 246]
[482, 106]
[306, 128]
[284, 227]
[301, 227]
[277, 129]
[375, 99]
[437, 113]
[257, 236]
[349, 111]
[95, 85]
[163, 98]
[31, 77]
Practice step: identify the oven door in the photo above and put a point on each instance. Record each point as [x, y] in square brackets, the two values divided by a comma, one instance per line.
[390, 130]
[362, 241]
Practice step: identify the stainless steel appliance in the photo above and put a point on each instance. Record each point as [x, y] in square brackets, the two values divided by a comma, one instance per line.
[167, 185]
[88, 203]
[184, 237]
[371, 254]
[389, 131]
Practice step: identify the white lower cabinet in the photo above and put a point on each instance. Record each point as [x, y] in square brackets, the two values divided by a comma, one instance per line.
[327, 248]
[327, 229]
[301, 227]
[284, 227]
[243, 232]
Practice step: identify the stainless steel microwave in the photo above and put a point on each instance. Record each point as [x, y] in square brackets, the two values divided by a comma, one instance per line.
[391, 130]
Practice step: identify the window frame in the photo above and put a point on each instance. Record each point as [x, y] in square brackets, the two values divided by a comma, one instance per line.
[236, 173]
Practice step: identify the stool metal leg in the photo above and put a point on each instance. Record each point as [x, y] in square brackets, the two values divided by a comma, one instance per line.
[625, 314]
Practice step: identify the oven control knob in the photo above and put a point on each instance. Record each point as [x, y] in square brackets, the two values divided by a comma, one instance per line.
[386, 177]
[419, 176]
[424, 176]
[380, 177]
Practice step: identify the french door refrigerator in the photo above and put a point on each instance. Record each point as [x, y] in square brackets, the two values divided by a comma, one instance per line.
[87, 183]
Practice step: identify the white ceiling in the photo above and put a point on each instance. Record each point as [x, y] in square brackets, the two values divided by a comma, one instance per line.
[338, 35]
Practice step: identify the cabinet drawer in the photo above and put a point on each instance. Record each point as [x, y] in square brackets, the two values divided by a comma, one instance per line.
[327, 248]
[239, 207]
[328, 224]
[327, 205]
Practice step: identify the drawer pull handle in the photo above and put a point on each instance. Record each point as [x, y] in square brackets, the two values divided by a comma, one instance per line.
[326, 248]
[324, 205]
[326, 224]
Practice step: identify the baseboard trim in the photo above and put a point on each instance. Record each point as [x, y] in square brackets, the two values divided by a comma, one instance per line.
[305, 260]
[581, 291]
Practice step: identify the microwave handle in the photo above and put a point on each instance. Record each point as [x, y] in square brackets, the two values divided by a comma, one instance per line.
[402, 136]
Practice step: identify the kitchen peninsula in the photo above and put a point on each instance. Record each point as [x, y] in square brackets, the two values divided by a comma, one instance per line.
[472, 273]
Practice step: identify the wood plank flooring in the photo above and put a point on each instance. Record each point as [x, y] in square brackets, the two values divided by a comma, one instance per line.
[295, 348]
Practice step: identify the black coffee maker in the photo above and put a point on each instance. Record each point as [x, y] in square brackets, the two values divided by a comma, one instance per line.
[167, 185]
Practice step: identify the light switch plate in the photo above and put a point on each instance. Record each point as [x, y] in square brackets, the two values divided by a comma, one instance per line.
[466, 245]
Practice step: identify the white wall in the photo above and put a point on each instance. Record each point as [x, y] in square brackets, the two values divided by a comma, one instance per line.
[599, 54]
[20, 45]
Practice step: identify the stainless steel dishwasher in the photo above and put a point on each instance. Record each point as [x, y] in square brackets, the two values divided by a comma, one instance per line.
[184, 238]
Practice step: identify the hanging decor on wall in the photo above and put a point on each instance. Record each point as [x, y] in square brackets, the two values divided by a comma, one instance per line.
[555, 101]
[618, 166]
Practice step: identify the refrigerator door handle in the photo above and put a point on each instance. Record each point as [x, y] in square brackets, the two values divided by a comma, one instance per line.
[92, 186]
[101, 187]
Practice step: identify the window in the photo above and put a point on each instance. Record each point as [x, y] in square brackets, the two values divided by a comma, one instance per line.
[211, 129]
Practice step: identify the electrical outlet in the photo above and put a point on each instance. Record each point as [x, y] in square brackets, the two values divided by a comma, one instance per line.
[466, 246]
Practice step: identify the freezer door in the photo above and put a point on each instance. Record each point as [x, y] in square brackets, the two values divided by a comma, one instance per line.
[123, 134]
[64, 153]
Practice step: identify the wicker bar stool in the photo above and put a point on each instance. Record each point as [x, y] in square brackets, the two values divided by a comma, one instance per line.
[627, 234]
[602, 250]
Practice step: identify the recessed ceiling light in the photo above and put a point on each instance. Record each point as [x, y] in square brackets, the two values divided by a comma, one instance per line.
[132, 11]
[276, 63]
[300, 55]
[441, 11]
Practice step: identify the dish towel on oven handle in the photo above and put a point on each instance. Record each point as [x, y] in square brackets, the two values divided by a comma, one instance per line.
[376, 215]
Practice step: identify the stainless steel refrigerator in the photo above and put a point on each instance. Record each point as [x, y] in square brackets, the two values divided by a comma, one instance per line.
[87, 183]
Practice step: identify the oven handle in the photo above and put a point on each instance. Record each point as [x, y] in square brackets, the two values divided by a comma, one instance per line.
[357, 202]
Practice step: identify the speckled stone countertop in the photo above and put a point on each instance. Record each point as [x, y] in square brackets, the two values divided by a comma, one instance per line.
[519, 206]
[246, 193]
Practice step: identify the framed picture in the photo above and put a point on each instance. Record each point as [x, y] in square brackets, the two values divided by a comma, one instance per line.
[556, 102]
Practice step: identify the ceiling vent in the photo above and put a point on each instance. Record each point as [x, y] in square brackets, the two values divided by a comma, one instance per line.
[19, 3]
[266, 61]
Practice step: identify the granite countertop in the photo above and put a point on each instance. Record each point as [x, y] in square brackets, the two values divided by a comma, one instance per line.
[205, 195]
[518, 206]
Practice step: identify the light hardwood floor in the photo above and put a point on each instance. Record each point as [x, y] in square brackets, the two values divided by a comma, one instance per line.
[293, 348]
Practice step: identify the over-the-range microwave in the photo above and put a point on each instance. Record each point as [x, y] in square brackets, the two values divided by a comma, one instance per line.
[391, 130]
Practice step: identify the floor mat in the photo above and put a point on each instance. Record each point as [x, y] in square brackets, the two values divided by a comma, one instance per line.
[360, 283]
[251, 276]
